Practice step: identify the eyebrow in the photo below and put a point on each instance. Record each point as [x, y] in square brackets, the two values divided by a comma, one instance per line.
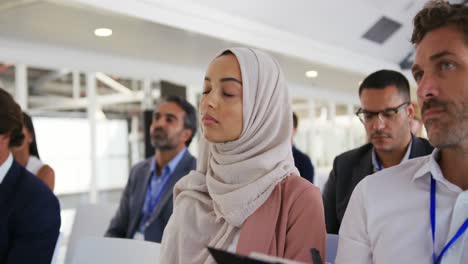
[433, 58]
[441, 54]
[167, 115]
[227, 79]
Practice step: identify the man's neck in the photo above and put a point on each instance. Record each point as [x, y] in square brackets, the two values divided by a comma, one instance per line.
[454, 165]
[163, 157]
[4, 156]
[392, 158]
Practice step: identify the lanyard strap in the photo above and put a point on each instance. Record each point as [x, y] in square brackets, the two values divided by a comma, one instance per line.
[436, 259]
[153, 202]
[379, 165]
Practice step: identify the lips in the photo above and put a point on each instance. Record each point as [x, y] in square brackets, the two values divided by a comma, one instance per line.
[208, 120]
[433, 112]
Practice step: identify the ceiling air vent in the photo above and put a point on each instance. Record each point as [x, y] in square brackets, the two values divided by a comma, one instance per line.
[382, 30]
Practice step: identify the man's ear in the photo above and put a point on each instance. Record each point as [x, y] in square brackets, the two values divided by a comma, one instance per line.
[411, 108]
[186, 134]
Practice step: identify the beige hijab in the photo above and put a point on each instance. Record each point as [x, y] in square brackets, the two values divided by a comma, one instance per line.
[234, 179]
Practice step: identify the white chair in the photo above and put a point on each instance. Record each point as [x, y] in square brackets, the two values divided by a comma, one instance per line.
[332, 246]
[90, 220]
[115, 251]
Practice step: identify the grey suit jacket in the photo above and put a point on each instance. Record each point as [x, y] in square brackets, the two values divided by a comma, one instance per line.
[127, 218]
[348, 170]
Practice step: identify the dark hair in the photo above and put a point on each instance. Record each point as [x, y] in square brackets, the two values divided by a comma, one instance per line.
[295, 121]
[436, 14]
[28, 124]
[11, 120]
[190, 119]
[383, 78]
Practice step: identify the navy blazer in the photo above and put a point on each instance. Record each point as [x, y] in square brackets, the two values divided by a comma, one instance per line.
[29, 218]
[303, 164]
[128, 215]
[348, 170]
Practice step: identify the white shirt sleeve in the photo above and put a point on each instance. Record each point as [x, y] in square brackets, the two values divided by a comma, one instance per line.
[354, 243]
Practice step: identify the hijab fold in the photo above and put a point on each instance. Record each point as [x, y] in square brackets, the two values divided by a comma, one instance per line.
[234, 179]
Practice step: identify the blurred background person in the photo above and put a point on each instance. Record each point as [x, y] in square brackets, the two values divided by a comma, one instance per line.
[416, 124]
[29, 211]
[385, 113]
[27, 155]
[146, 203]
[301, 160]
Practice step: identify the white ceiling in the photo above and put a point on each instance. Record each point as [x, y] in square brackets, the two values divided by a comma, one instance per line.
[175, 39]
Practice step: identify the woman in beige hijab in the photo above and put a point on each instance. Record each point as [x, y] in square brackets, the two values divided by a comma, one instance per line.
[246, 195]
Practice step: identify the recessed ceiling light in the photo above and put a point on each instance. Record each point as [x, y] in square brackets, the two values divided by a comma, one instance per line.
[103, 32]
[311, 74]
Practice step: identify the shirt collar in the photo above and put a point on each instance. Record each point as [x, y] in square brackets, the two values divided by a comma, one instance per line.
[376, 162]
[5, 167]
[172, 163]
[433, 168]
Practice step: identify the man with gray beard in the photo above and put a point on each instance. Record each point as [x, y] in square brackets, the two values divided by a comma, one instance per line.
[146, 203]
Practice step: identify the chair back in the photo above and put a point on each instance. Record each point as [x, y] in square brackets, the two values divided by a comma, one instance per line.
[90, 220]
[115, 251]
[332, 246]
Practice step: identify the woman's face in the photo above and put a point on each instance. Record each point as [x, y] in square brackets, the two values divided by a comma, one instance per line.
[221, 103]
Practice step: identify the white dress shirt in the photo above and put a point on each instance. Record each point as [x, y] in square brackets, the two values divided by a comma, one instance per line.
[5, 167]
[388, 217]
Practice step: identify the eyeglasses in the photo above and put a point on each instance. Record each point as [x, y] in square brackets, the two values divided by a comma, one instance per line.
[367, 117]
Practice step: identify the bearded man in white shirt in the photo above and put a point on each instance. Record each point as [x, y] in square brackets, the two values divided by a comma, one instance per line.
[417, 212]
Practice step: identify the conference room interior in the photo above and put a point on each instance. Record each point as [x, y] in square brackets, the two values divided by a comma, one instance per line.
[90, 91]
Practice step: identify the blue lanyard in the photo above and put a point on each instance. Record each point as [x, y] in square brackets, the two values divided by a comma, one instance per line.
[153, 202]
[379, 166]
[436, 259]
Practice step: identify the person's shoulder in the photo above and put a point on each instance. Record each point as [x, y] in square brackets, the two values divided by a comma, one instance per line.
[401, 173]
[423, 146]
[190, 158]
[299, 154]
[144, 164]
[354, 155]
[295, 186]
[32, 190]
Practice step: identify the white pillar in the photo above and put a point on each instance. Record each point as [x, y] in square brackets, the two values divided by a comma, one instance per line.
[76, 84]
[92, 107]
[134, 142]
[147, 102]
[311, 132]
[331, 113]
[21, 83]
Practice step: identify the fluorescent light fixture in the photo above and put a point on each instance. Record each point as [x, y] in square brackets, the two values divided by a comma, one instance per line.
[311, 74]
[103, 32]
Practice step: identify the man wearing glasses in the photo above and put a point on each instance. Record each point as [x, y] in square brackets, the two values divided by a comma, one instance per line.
[386, 113]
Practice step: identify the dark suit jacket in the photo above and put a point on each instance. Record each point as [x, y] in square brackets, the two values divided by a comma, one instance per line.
[29, 218]
[127, 219]
[348, 170]
[303, 164]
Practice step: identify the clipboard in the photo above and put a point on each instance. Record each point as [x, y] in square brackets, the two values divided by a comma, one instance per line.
[224, 257]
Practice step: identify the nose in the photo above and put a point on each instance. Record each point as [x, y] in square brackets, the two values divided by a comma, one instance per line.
[158, 122]
[379, 122]
[428, 87]
[209, 100]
